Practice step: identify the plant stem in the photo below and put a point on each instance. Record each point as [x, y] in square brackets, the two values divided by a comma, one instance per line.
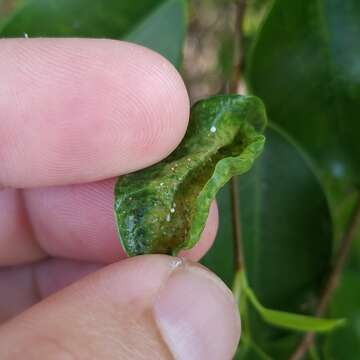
[333, 279]
[232, 87]
[238, 46]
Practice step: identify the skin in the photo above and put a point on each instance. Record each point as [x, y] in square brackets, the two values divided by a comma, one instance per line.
[73, 115]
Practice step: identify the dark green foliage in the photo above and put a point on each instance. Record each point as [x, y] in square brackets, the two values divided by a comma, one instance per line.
[305, 66]
[287, 235]
[158, 24]
[344, 343]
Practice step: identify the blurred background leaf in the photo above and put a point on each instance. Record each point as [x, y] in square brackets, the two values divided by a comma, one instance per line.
[305, 66]
[158, 24]
[287, 236]
[309, 79]
[249, 351]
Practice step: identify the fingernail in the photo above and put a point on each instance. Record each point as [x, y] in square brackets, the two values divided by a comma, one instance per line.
[197, 315]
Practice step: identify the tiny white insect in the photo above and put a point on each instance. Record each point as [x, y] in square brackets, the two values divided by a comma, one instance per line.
[26, 35]
[177, 262]
[168, 217]
[161, 184]
[213, 129]
[172, 210]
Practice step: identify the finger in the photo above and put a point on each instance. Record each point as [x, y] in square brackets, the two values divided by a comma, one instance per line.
[17, 240]
[78, 222]
[18, 287]
[74, 222]
[79, 110]
[23, 286]
[154, 305]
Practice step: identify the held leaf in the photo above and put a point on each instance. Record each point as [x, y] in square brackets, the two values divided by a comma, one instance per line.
[164, 208]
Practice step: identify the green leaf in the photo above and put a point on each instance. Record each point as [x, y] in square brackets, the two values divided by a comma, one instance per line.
[163, 209]
[289, 320]
[163, 30]
[305, 66]
[286, 225]
[158, 24]
[287, 237]
[287, 233]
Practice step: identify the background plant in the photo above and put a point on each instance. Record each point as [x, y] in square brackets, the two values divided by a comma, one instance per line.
[290, 224]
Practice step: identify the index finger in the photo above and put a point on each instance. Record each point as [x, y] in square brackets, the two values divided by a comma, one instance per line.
[80, 110]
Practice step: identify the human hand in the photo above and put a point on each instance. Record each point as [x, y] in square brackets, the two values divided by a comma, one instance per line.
[73, 115]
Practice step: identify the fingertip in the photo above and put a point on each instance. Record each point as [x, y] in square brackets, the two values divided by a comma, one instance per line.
[151, 304]
[205, 323]
[167, 114]
[103, 108]
[76, 221]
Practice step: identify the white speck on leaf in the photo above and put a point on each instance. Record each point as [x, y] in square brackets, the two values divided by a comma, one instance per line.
[172, 210]
[176, 262]
[213, 129]
[168, 217]
[26, 35]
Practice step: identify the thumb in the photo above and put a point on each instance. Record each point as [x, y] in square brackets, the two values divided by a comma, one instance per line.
[148, 307]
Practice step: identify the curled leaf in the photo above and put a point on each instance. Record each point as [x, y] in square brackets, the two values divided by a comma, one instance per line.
[164, 208]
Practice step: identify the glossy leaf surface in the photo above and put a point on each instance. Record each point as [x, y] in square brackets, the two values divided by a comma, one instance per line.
[157, 24]
[287, 233]
[287, 236]
[163, 209]
[305, 66]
